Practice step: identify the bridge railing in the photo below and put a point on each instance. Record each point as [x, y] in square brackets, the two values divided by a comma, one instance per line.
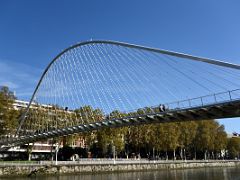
[192, 103]
[205, 100]
[107, 162]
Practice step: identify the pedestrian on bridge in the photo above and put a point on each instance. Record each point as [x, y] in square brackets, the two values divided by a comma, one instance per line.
[162, 108]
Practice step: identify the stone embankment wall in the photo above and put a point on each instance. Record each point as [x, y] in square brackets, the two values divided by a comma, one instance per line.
[32, 170]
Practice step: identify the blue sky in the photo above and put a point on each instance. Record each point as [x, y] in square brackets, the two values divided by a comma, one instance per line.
[33, 32]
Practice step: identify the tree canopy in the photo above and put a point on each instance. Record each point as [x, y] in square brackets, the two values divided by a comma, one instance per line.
[8, 115]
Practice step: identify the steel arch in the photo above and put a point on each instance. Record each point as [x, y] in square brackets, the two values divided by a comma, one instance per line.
[156, 50]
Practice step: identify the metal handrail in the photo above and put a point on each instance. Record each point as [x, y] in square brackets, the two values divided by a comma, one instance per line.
[90, 161]
[211, 95]
[189, 101]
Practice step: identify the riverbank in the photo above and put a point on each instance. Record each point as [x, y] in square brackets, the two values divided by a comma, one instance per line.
[47, 168]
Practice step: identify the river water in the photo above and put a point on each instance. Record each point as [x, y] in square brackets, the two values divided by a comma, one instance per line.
[228, 173]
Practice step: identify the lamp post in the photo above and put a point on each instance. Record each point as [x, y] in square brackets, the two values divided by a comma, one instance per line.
[56, 152]
[114, 154]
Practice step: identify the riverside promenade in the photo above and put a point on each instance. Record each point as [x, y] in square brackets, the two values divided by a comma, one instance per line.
[103, 165]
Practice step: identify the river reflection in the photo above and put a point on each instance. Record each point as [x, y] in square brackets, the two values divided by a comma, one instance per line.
[228, 173]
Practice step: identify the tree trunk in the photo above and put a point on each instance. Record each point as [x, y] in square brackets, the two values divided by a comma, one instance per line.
[184, 150]
[213, 155]
[174, 155]
[29, 156]
[29, 152]
[153, 153]
[181, 153]
[205, 155]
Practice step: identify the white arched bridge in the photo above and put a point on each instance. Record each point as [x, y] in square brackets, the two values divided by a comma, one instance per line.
[98, 84]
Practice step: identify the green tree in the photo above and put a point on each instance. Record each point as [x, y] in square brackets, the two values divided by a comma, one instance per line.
[206, 137]
[220, 142]
[233, 147]
[8, 115]
[169, 136]
[188, 132]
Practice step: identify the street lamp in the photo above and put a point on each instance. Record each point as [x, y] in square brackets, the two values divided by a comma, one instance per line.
[114, 152]
[56, 152]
